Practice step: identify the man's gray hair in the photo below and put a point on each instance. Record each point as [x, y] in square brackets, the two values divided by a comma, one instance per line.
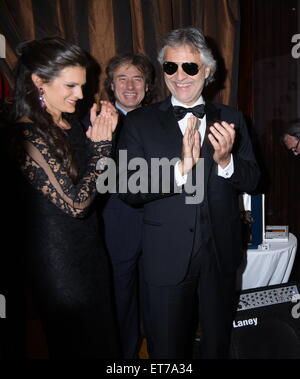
[195, 39]
[293, 130]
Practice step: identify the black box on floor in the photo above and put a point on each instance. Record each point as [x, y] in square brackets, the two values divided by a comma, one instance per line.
[267, 323]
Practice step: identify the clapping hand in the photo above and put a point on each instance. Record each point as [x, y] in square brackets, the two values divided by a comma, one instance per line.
[103, 125]
[190, 146]
[222, 136]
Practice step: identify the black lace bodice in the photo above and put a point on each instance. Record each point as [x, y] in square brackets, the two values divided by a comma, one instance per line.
[48, 175]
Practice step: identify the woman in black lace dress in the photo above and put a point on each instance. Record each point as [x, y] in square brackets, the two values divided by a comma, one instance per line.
[67, 265]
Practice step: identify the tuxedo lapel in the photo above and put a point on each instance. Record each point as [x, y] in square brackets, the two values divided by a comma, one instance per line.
[170, 126]
[212, 115]
[207, 150]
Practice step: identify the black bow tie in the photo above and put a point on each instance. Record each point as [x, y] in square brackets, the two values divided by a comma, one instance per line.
[180, 112]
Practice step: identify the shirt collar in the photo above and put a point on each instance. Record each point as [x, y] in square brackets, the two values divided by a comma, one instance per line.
[174, 101]
[120, 108]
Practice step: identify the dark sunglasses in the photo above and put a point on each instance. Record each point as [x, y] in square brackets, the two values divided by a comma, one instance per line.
[189, 68]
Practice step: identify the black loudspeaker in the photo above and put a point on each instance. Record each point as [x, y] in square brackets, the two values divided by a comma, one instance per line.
[267, 323]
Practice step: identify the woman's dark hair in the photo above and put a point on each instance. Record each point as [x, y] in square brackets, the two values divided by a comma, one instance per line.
[142, 63]
[46, 58]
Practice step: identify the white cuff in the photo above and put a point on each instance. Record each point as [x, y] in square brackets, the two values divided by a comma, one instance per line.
[180, 180]
[228, 170]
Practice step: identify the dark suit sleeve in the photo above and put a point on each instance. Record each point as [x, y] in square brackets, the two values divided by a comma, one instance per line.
[246, 171]
[131, 142]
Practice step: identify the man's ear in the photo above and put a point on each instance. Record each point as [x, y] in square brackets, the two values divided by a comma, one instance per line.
[207, 72]
[112, 86]
[37, 81]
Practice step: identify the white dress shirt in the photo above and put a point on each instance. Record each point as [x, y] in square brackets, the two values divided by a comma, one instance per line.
[224, 172]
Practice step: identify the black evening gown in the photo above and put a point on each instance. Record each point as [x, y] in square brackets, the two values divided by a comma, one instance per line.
[66, 263]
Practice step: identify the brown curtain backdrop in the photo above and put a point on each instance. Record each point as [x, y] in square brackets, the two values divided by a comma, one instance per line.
[106, 27]
[101, 33]
[226, 29]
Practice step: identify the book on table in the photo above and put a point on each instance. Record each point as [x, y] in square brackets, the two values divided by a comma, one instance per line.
[276, 233]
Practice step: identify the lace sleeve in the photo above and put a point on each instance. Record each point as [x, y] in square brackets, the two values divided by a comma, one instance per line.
[49, 176]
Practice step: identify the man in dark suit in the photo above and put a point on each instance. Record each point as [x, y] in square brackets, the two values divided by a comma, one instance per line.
[191, 251]
[129, 84]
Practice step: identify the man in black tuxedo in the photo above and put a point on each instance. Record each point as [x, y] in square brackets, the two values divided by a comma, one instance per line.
[129, 84]
[190, 251]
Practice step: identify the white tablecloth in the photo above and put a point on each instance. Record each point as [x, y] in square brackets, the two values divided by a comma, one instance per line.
[267, 267]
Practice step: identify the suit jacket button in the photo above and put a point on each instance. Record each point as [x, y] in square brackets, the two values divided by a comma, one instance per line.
[191, 230]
